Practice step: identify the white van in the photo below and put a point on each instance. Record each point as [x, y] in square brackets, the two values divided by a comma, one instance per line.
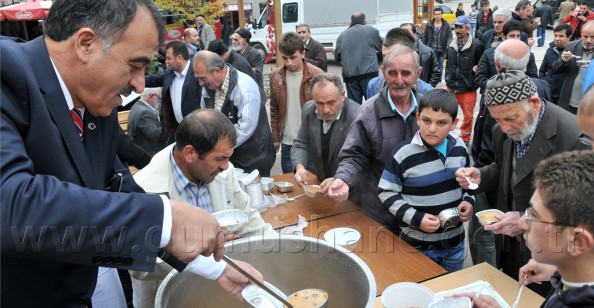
[328, 18]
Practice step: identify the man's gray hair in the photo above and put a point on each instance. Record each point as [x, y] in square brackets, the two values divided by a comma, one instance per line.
[398, 50]
[150, 91]
[109, 19]
[510, 63]
[322, 79]
[210, 59]
[503, 12]
[303, 25]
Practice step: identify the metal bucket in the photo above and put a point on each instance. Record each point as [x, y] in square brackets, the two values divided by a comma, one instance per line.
[291, 263]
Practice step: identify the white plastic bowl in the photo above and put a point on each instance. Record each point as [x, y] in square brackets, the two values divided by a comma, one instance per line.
[482, 214]
[234, 220]
[407, 294]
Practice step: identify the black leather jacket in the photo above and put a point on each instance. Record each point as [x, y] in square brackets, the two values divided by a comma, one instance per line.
[459, 74]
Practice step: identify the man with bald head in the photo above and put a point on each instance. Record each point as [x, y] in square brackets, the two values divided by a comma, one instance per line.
[573, 63]
[192, 38]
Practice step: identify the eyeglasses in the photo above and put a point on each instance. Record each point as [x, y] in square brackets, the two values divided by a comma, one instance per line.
[529, 216]
[585, 139]
[157, 96]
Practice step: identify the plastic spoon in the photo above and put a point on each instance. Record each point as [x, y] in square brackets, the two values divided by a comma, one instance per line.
[471, 185]
[298, 196]
[515, 305]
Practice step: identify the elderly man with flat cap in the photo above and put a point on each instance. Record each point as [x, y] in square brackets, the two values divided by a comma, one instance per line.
[528, 130]
[241, 44]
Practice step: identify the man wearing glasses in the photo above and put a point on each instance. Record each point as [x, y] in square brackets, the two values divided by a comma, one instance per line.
[558, 230]
[242, 101]
[529, 130]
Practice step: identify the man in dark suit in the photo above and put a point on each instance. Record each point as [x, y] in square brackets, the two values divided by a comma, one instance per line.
[181, 91]
[314, 51]
[56, 167]
[241, 44]
[528, 130]
[143, 122]
[325, 121]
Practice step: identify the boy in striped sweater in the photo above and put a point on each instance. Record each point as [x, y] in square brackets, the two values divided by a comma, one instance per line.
[419, 182]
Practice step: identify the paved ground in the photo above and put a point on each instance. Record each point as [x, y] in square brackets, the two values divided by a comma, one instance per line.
[334, 67]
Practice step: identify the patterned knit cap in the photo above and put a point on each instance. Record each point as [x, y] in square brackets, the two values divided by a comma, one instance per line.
[509, 87]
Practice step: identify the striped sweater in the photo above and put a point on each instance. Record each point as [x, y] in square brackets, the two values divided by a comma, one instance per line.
[418, 179]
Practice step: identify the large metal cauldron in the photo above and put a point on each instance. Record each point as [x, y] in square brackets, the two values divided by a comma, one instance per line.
[291, 263]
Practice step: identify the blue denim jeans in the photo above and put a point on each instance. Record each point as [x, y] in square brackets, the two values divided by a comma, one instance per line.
[357, 89]
[541, 32]
[452, 259]
[286, 164]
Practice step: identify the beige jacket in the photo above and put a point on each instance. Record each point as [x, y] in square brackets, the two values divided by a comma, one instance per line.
[225, 194]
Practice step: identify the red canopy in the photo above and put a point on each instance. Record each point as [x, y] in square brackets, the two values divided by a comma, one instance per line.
[26, 11]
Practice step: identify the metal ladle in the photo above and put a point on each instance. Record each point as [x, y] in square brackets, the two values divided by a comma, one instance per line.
[256, 282]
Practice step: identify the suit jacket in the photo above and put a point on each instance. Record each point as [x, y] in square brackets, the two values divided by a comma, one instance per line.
[190, 97]
[315, 54]
[240, 63]
[145, 129]
[556, 133]
[307, 146]
[570, 70]
[131, 153]
[54, 183]
[206, 35]
[256, 60]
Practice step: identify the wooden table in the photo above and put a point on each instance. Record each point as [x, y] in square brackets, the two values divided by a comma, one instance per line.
[390, 259]
[503, 284]
[287, 214]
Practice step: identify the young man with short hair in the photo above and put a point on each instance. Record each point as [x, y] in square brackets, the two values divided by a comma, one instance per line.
[288, 94]
[562, 36]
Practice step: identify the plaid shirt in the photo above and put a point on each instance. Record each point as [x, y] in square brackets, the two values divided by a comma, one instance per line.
[221, 93]
[522, 146]
[194, 194]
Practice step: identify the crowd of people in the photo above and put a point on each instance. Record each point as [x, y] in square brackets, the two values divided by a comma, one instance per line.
[383, 135]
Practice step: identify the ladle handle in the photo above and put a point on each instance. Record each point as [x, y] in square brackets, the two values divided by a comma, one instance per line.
[256, 281]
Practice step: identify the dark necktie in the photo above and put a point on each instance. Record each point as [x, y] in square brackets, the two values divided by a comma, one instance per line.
[200, 42]
[77, 118]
